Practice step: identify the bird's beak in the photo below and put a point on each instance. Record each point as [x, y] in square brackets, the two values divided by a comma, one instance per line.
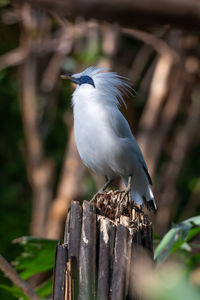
[65, 76]
[69, 77]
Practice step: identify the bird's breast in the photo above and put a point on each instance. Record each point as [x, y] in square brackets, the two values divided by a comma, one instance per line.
[100, 146]
[92, 137]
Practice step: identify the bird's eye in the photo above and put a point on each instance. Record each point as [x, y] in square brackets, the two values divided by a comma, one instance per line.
[86, 79]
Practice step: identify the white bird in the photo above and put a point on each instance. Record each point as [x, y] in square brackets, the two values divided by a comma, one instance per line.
[103, 136]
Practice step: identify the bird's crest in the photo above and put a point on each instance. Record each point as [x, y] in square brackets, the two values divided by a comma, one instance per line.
[109, 85]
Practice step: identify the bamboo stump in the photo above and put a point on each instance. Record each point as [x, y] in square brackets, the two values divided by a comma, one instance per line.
[100, 243]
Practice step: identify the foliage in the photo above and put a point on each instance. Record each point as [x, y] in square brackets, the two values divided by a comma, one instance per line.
[37, 256]
[172, 279]
[14, 291]
[178, 237]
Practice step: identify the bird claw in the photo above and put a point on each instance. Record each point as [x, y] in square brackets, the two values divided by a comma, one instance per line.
[127, 190]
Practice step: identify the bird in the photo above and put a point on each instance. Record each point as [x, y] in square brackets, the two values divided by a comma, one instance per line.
[103, 136]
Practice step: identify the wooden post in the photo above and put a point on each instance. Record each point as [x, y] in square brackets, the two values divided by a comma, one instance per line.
[106, 231]
[100, 243]
[59, 272]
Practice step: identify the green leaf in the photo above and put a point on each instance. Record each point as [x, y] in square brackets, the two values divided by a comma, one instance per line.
[14, 291]
[186, 246]
[194, 260]
[38, 256]
[176, 237]
[193, 232]
[45, 289]
[163, 249]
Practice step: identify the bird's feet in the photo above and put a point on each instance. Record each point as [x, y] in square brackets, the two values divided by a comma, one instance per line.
[127, 190]
[102, 189]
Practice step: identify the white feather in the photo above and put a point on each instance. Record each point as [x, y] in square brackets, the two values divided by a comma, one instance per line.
[103, 137]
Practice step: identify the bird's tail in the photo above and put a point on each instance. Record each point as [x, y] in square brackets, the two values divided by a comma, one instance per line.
[141, 190]
[150, 201]
[146, 196]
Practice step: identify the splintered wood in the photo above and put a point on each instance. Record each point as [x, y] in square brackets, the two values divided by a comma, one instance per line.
[101, 242]
[123, 211]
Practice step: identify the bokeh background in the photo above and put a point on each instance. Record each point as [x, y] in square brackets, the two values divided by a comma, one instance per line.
[158, 49]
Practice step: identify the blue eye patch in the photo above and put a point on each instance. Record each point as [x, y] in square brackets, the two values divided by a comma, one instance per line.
[86, 79]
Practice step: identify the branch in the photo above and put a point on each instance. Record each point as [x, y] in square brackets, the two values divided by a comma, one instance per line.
[39, 168]
[13, 58]
[151, 40]
[184, 13]
[16, 279]
[17, 56]
[148, 121]
[183, 141]
[64, 46]
[68, 189]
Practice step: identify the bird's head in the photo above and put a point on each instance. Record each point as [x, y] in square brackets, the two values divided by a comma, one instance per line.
[99, 84]
[84, 79]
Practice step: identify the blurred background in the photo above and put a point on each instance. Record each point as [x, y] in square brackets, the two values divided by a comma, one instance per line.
[158, 49]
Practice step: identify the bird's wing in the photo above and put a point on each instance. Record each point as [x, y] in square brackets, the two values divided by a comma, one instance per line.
[118, 123]
[147, 173]
[122, 129]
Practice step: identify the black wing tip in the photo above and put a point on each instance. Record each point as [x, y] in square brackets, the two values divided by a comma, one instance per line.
[151, 206]
[148, 176]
